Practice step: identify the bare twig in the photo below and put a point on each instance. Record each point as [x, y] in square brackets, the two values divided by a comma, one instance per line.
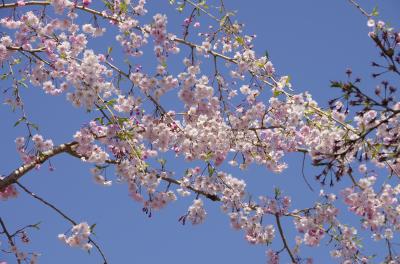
[25, 227]
[365, 13]
[303, 174]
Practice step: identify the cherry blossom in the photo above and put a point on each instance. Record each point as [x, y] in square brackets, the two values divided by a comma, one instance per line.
[231, 108]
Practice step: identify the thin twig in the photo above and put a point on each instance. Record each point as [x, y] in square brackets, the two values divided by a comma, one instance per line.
[303, 174]
[66, 217]
[365, 13]
[10, 240]
[25, 227]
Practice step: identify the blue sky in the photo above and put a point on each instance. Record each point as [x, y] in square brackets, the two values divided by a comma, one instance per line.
[312, 41]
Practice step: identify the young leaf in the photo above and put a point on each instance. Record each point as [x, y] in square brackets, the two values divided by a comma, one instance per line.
[19, 121]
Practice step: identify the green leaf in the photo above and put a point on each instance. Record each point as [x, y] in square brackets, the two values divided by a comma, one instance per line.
[22, 83]
[111, 102]
[100, 120]
[162, 162]
[19, 121]
[36, 127]
[208, 156]
[108, 4]
[240, 40]
[17, 61]
[224, 18]
[203, 4]
[101, 167]
[37, 225]
[375, 12]
[181, 7]
[277, 192]
[122, 120]
[277, 93]
[211, 170]
[92, 227]
[109, 49]
[336, 84]
[123, 6]
[266, 54]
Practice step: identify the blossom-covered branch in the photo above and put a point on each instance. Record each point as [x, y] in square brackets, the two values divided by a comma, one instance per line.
[231, 107]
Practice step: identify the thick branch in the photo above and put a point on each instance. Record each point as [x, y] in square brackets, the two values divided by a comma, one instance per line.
[69, 149]
[46, 3]
[18, 173]
[17, 48]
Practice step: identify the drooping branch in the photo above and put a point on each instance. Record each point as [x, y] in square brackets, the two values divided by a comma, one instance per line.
[66, 217]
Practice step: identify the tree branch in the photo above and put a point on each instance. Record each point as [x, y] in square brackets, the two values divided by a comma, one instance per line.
[46, 3]
[66, 217]
[285, 244]
[23, 169]
[365, 13]
[10, 240]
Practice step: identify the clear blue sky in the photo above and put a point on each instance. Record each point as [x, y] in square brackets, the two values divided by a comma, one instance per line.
[313, 41]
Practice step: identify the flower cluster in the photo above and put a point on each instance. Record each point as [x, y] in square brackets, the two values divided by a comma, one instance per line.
[79, 236]
[89, 79]
[196, 212]
[40, 146]
[312, 225]
[379, 212]
[163, 41]
[348, 248]
[130, 40]
[9, 192]
[89, 151]
[160, 200]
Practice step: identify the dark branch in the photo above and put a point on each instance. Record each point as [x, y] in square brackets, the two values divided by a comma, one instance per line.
[66, 217]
